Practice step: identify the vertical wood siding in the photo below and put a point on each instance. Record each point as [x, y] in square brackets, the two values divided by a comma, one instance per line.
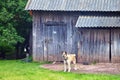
[49, 38]
[115, 45]
[93, 45]
[35, 58]
[90, 45]
[54, 42]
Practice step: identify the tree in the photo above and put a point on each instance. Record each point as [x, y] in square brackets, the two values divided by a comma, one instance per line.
[13, 18]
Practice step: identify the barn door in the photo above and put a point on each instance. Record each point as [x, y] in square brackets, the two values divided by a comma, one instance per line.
[93, 45]
[54, 41]
[115, 45]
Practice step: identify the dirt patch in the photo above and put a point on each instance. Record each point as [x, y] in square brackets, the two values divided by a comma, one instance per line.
[106, 68]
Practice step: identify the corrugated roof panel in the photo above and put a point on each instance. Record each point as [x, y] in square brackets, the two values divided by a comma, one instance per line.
[73, 5]
[45, 5]
[96, 21]
[62, 4]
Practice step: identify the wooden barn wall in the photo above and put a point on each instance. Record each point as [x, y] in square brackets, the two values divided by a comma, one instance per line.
[93, 45]
[98, 45]
[90, 45]
[35, 53]
[49, 40]
[115, 45]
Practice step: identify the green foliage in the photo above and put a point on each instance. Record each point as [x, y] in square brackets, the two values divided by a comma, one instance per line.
[9, 36]
[8, 40]
[17, 70]
[13, 20]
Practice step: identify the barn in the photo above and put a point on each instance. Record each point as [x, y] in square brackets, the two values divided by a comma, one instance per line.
[88, 28]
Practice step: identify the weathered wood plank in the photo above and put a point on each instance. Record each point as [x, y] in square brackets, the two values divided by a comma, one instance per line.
[94, 46]
[115, 45]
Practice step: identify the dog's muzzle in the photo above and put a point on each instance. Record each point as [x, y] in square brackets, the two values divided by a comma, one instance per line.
[65, 58]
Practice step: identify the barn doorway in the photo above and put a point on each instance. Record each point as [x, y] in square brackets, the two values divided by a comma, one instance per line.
[54, 40]
[99, 45]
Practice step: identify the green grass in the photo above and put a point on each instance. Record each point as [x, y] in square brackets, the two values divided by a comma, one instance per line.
[17, 70]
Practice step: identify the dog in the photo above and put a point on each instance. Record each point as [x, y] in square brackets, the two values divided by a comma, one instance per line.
[68, 59]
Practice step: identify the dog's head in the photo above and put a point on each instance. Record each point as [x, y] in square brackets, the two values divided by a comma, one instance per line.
[64, 55]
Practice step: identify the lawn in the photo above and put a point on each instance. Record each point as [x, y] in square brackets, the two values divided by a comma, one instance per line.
[18, 70]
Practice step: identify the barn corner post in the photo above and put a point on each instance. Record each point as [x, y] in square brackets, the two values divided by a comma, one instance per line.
[34, 39]
[37, 51]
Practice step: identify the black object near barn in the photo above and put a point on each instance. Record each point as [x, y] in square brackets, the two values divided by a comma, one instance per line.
[88, 28]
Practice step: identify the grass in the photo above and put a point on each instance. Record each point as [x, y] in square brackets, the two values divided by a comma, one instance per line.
[18, 70]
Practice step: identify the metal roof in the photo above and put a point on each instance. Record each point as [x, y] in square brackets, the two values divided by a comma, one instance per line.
[73, 5]
[95, 21]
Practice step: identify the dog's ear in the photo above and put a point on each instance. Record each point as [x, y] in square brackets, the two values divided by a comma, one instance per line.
[65, 52]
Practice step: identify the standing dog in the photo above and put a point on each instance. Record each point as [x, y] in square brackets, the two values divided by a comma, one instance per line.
[68, 59]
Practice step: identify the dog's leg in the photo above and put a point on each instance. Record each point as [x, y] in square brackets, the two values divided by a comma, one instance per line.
[75, 67]
[69, 66]
[65, 66]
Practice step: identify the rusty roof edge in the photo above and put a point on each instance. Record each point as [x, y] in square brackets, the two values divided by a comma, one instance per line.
[28, 3]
